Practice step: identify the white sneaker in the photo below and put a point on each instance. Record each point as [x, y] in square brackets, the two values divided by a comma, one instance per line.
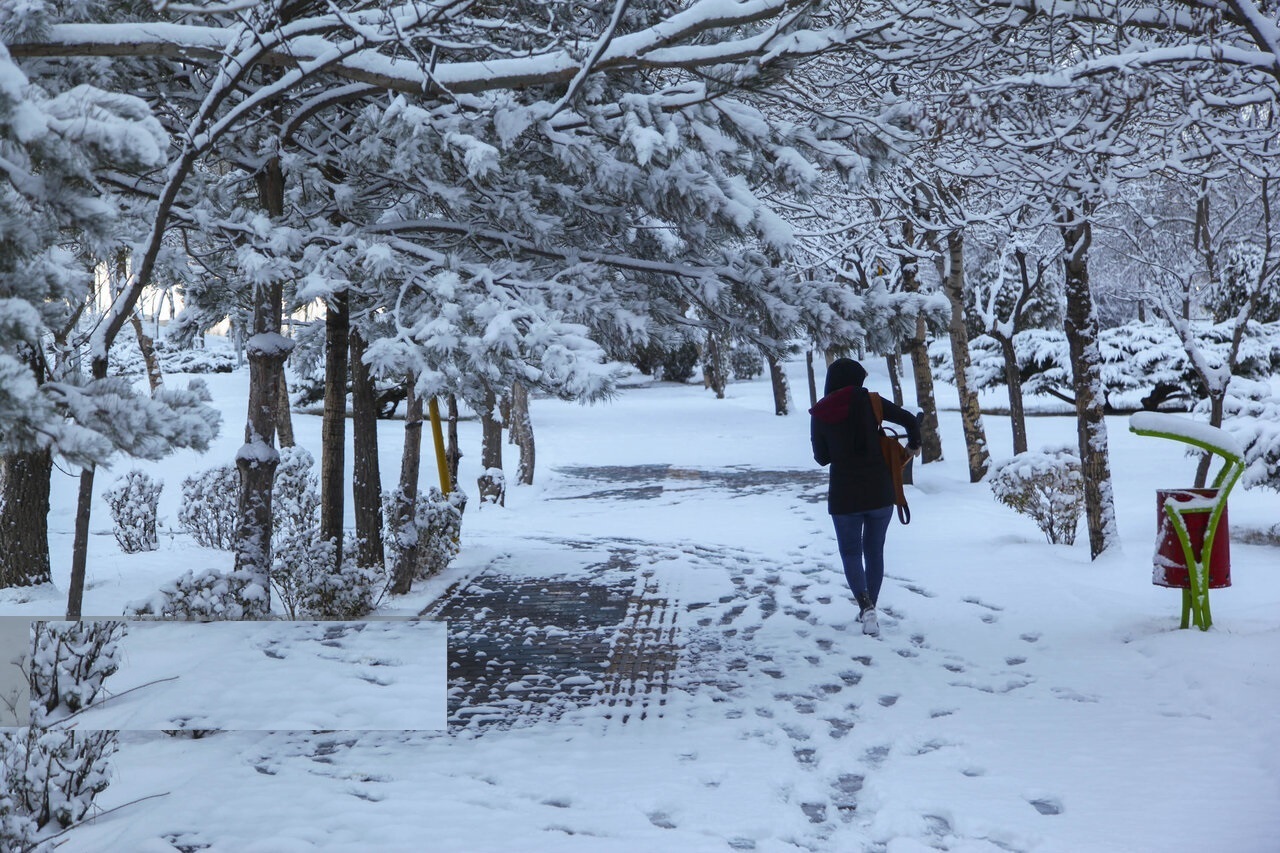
[870, 624]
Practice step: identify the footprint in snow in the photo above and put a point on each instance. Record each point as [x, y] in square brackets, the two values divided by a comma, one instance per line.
[919, 590]
[1015, 661]
[980, 603]
[888, 701]
[816, 812]
[1071, 695]
[876, 755]
[1047, 805]
[1031, 637]
[839, 728]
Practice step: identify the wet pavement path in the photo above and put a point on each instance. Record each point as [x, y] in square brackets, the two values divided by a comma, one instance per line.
[524, 649]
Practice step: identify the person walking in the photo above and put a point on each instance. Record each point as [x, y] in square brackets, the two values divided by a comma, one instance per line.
[860, 492]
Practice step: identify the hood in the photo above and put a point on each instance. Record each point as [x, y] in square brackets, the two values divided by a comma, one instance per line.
[834, 408]
[843, 372]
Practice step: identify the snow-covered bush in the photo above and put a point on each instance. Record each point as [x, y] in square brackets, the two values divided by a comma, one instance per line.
[298, 565]
[1045, 485]
[350, 592]
[49, 776]
[303, 576]
[1252, 415]
[127, 360]
[746, 363]
[435, 529]
[48, 781]
[69, 662]
[133, 501]
[1137, 357]
[493, 487]
[205, 596]
[679, 362]
[210, 502]
[295, 501]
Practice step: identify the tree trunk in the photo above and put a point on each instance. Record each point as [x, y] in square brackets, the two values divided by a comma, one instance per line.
[522, 433]
[492, 482]
[781, 388]
[284, 415]
[918, 349]
[894, 362]
[24, 506]
[258, 458]
[24, 518]
[333, 428]
[366, 485]
[714, 371]
[147, 346]
[975, 437]
[453, 456]
[1013, 378]
[80, 545]
[1086, 369]
[406, 503]
[1217, 406]
[813, 380]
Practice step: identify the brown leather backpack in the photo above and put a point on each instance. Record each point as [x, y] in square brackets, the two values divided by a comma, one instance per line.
[896, 456]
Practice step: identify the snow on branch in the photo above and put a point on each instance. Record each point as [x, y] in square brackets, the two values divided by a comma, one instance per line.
[657, 46]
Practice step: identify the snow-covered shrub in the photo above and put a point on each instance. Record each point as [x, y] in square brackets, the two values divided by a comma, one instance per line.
[435, 529]
[295, 501]
[493, 487]
[303, 576]
[746, 363]
[1137, 357]
[298, 565]
[309, 586]
[127, 360]
[350, 592]
[49, 775]
[133, 501]
[439, 520]
[48, 781]
[196, 361]
[69, 662]
[678, 363]
[205, 596]
[1047, 486]
[210, 502]
[1252, 415]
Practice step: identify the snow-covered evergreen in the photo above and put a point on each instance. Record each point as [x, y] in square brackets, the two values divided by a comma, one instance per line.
[1045, 485]
[133, 501]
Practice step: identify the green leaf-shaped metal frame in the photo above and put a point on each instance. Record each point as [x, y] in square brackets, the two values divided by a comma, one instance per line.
[1195, 599]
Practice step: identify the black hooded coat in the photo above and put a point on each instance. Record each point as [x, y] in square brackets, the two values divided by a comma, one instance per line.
[844, 435]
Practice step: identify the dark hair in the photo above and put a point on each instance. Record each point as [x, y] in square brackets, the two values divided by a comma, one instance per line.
[842, 373]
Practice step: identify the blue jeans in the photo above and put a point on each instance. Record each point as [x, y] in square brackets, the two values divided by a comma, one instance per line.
[860, 536]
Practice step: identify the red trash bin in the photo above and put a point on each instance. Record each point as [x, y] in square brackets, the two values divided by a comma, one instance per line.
[1170, 563]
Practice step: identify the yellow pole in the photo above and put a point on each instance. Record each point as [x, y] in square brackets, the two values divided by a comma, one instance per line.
[437, 434]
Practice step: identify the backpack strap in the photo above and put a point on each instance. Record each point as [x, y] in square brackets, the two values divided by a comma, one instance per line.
[893, 458]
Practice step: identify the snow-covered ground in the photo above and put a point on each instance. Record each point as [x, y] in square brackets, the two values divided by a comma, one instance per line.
[1021, 697]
